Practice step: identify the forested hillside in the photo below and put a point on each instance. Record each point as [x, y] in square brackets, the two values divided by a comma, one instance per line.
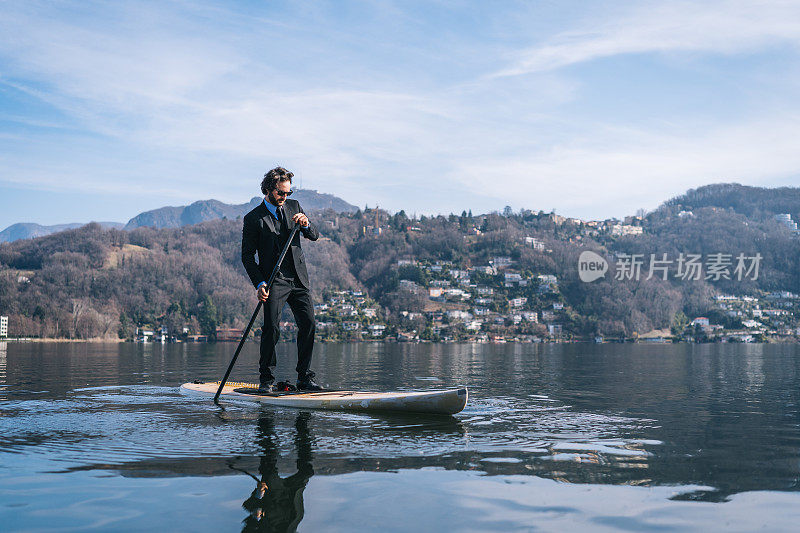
[753, 202]
[95, 282]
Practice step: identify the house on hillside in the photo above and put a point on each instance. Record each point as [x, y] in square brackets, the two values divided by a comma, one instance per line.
[376, 330]
[229, 334]
[535, 243]
[502, 261]
[517, 302]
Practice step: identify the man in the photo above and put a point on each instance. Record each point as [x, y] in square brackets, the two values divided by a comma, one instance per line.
[265, 230]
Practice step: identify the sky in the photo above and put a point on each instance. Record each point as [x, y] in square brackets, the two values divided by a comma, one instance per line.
[591, 109]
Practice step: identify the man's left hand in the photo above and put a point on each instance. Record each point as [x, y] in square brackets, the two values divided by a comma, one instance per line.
[301, 219]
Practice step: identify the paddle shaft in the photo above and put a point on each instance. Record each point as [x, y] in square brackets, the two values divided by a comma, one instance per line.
[255, 313]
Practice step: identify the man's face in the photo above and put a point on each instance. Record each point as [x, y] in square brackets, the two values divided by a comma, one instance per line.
[277, 196]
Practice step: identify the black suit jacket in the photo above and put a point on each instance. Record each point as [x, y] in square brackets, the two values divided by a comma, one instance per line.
[260, 233]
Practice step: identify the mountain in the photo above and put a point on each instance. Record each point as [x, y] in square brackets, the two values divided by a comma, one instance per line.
[753, 202]
[29, 230]
[175, 217]
[200, 211]
[203, 210]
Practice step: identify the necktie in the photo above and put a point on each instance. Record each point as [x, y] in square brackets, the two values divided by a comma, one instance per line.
[281, 219]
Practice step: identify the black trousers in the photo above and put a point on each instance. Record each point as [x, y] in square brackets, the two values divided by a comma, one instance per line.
[298, 297]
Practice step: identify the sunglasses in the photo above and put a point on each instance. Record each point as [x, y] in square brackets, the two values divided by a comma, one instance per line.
[281, 193]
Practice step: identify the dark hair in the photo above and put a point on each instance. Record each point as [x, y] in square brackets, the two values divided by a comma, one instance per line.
[273, 177]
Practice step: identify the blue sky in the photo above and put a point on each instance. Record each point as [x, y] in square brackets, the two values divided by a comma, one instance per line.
[594, 109]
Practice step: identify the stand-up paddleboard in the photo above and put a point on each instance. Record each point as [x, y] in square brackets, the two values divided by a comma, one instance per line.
[445, 402]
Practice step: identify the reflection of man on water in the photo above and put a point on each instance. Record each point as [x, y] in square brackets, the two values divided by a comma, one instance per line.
[276, 504]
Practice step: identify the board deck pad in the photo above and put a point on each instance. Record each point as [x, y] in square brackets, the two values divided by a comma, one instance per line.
[253, 389]
[449, 401]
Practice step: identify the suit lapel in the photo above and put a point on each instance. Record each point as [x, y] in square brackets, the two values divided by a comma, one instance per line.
[290, 211]
[269, 220]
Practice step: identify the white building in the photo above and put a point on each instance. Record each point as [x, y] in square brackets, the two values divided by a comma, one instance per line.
[786, 220]
[502, 261]
[457, 315]
[347, 310]
[3, 326]
[625, 229]
[554, 329]
[782, 295]
[458, 274]
[409, 285]
[144, 335]
[457, 293]
[376, 330]
[518, 302]
[535, 243]
[490, 270]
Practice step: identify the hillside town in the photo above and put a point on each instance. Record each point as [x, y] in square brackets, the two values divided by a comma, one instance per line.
[498, 303]
[386, 277]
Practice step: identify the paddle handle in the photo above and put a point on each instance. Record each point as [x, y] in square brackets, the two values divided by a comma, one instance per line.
[255, 313]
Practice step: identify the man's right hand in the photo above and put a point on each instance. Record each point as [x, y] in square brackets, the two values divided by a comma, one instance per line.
[263, 293]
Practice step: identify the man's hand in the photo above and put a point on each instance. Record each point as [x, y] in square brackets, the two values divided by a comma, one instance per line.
[263, 293]
[301, 219]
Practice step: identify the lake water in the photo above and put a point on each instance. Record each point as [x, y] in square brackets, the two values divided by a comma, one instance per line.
[583, 437]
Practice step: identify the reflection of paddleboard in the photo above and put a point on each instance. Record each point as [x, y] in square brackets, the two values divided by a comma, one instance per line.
[445, 402]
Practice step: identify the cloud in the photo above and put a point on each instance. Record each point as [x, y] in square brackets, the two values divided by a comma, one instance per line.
[725, 27]
[621, 170]
[159, 89]
[186, 101]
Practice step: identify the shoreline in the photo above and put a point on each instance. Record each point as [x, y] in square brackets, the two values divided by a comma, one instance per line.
[100, 340]
[377, 341]
[49, 340]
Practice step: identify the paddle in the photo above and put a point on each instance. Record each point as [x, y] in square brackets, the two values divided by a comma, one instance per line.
[255, 313]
